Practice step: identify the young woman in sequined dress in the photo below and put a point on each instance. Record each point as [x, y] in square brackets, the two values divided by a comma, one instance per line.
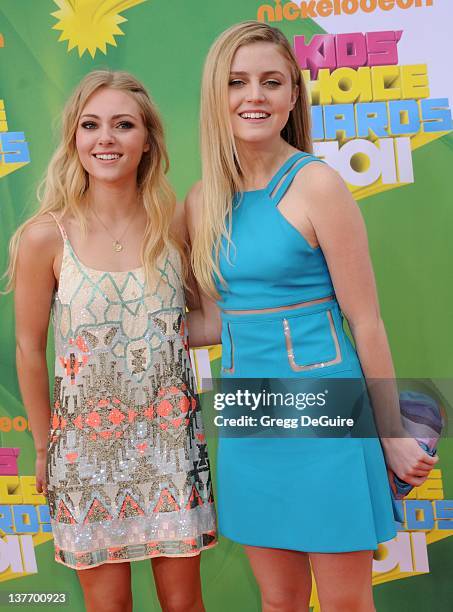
[121, 454]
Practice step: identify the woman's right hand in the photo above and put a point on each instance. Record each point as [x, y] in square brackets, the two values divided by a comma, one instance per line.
[41, 472]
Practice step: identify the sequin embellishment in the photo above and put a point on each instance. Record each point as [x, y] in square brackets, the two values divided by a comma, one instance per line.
[128, 470]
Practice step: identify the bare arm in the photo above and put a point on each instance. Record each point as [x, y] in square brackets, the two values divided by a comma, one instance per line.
[204, 321]
[35, 284]
[341, 233]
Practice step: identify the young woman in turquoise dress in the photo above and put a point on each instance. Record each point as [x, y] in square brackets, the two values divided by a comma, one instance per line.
[280, 254]
[121, 453]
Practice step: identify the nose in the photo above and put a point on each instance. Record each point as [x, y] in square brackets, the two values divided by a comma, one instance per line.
[105, 135]
[255, 92]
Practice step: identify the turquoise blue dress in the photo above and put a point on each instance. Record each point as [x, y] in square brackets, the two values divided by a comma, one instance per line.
[305, 494]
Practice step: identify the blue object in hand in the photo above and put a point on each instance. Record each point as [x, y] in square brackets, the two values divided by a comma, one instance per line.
[422, 419]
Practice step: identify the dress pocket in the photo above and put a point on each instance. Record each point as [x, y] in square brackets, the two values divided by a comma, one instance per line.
[312, 341]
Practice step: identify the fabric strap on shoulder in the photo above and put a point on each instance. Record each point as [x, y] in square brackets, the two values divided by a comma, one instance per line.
[289, 163]
[289, 176]
[60, 227]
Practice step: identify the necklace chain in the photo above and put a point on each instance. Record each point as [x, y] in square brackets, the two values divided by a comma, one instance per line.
[117, 246]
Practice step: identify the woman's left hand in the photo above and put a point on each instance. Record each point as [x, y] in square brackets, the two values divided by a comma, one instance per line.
[407, 460]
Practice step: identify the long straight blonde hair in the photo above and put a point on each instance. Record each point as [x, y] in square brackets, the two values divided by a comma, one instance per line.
[221, 168]
[66, 183]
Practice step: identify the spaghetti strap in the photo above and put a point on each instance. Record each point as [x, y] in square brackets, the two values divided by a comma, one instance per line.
[283, 170]
[60, 226]
[289, 177]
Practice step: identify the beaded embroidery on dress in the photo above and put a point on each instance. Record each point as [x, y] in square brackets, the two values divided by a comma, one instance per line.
[128, 470]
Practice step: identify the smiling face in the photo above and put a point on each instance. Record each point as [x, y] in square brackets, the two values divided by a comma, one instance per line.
[111, 136]
[261, 93]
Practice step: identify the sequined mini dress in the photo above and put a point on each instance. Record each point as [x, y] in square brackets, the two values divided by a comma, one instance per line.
[128, 470]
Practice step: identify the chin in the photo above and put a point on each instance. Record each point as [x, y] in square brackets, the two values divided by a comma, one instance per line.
[256, 138]
[108, 178]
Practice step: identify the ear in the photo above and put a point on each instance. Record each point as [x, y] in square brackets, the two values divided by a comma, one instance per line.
[146, 147]
[294, 96]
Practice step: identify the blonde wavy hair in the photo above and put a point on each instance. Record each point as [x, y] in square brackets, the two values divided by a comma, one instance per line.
[222, 176]
[66, 183]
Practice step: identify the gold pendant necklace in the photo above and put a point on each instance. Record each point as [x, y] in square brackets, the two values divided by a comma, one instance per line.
[117, 246]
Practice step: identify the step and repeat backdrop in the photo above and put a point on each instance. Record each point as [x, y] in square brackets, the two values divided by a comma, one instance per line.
[380, 78]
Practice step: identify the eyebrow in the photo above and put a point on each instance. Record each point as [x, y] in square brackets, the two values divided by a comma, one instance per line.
[267, 72]
[113, 116]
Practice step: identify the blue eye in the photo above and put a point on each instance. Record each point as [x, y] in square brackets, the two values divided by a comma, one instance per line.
[272, 83]
[236, 83]
[125, 125]
[89, 125]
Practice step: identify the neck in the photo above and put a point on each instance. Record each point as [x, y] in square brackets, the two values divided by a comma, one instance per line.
[260, 162]
[113, 201]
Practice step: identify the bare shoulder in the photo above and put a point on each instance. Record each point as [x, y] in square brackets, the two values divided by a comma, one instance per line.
[41, 238]
[178, 224]
[320, 178]
[193, 199]
[323, 189]
[194, 192]
[39, 248]
[40, 242]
